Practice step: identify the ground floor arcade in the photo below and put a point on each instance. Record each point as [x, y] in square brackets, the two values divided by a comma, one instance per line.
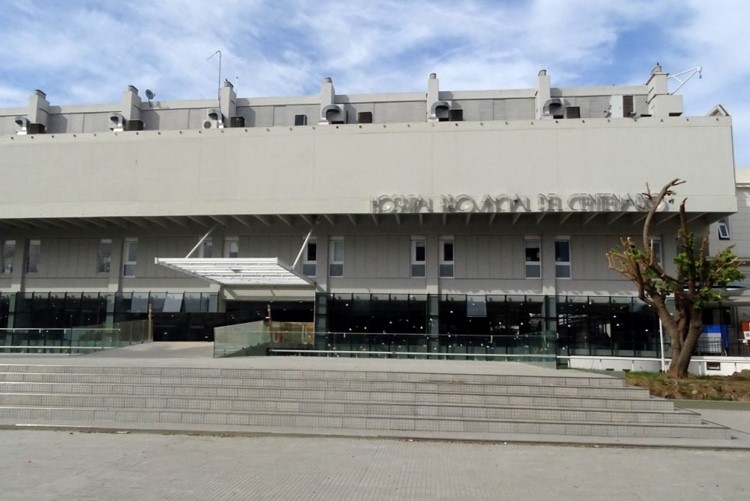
[576, 325]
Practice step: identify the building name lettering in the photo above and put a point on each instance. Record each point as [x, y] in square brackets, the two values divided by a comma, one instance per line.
[543, 202]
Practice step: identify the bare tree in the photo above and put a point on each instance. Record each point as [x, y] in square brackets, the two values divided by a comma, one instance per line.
[699, 279]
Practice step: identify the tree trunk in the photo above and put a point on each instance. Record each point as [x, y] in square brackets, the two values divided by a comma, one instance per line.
[682, 350]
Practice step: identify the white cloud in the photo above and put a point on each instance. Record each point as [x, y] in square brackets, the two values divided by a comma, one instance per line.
[84, 51]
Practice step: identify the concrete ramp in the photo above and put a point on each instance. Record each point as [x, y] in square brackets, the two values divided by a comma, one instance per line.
[159, 350]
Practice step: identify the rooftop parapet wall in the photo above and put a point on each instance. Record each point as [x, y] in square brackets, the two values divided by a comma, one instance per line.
[512, 104]
[345, 169]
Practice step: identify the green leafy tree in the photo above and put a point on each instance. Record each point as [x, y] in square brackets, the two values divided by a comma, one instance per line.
[699, 279]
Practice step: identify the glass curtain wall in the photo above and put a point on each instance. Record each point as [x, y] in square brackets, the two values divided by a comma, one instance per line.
[475, 324]
[607, 326]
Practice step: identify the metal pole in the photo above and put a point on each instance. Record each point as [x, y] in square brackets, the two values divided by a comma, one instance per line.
[302, 249]
[218, 86]
[661, 342]
[201, 241]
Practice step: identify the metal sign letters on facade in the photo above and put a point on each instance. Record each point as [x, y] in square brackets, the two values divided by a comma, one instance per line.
[550, 202]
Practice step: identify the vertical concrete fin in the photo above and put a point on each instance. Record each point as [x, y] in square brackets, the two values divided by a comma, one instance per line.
[543, 93]
[131, 104]
[228, 100]
[330, 112]
[35, 122]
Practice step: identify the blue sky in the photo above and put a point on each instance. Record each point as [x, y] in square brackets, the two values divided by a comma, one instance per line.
[86, 51]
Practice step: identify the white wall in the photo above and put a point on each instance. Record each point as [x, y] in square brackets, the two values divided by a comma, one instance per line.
[720, 366]
[340, 169]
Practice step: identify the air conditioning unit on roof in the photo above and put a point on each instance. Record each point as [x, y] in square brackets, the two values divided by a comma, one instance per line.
[213, 120]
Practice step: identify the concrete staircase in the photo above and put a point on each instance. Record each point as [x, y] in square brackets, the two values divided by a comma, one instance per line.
[228, 399]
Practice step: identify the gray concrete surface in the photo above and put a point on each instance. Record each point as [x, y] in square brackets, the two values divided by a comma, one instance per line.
[44, 464]
[52, 465]
[737, 419]
[199, 354]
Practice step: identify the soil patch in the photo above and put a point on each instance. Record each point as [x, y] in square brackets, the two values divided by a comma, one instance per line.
[735, 387]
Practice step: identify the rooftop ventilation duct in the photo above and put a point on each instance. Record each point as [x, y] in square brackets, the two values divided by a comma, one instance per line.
[116, 122]
[23, 125]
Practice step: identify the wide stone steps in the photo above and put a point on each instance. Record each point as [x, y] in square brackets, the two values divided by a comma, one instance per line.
[100, 417]
[350, 408]
[177, 398]
[548, 386]
[424, 397]
[292, 374]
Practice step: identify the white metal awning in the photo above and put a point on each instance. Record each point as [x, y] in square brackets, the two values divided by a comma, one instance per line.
[238, 271]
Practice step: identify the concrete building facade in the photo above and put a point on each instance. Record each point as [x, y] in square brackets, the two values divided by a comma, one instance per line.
[436, 212]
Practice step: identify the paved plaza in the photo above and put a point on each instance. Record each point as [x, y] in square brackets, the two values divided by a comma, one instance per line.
[51, 465]
[38, 463]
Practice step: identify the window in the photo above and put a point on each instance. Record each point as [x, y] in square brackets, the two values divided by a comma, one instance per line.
[724, 229]
[656, 248]
[336, 254]
[232, 247]
[455, 115]
[34, 257]
[103, 255]
[533, 252]
[364, 117]
[207, 248]
[418, 256]
[129, 257]
[446, 257]
[562, 258]
[300, 120]
[310, 263]
[8, 251]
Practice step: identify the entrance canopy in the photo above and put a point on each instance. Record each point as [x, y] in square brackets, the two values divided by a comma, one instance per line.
[238, 271]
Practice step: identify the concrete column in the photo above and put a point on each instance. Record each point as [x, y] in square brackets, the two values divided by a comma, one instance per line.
[321, 275]
[12, 310]
[115, 266]
[432, 264]
[657, 82]
[228, 101]
[432, 276]
[17, 277]
[109, 321]
[433, 96]
[327, 104]
[131, 104]
[660, 102]
[38, 108]
[433, 323]
[543, 93]
[321, 320]
[549, 282]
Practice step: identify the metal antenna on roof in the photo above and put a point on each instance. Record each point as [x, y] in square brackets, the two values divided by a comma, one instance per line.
[682, 79]
[219, 80]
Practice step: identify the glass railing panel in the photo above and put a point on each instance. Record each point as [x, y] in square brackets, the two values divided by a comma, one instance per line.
[264, 338]
[74, 340]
